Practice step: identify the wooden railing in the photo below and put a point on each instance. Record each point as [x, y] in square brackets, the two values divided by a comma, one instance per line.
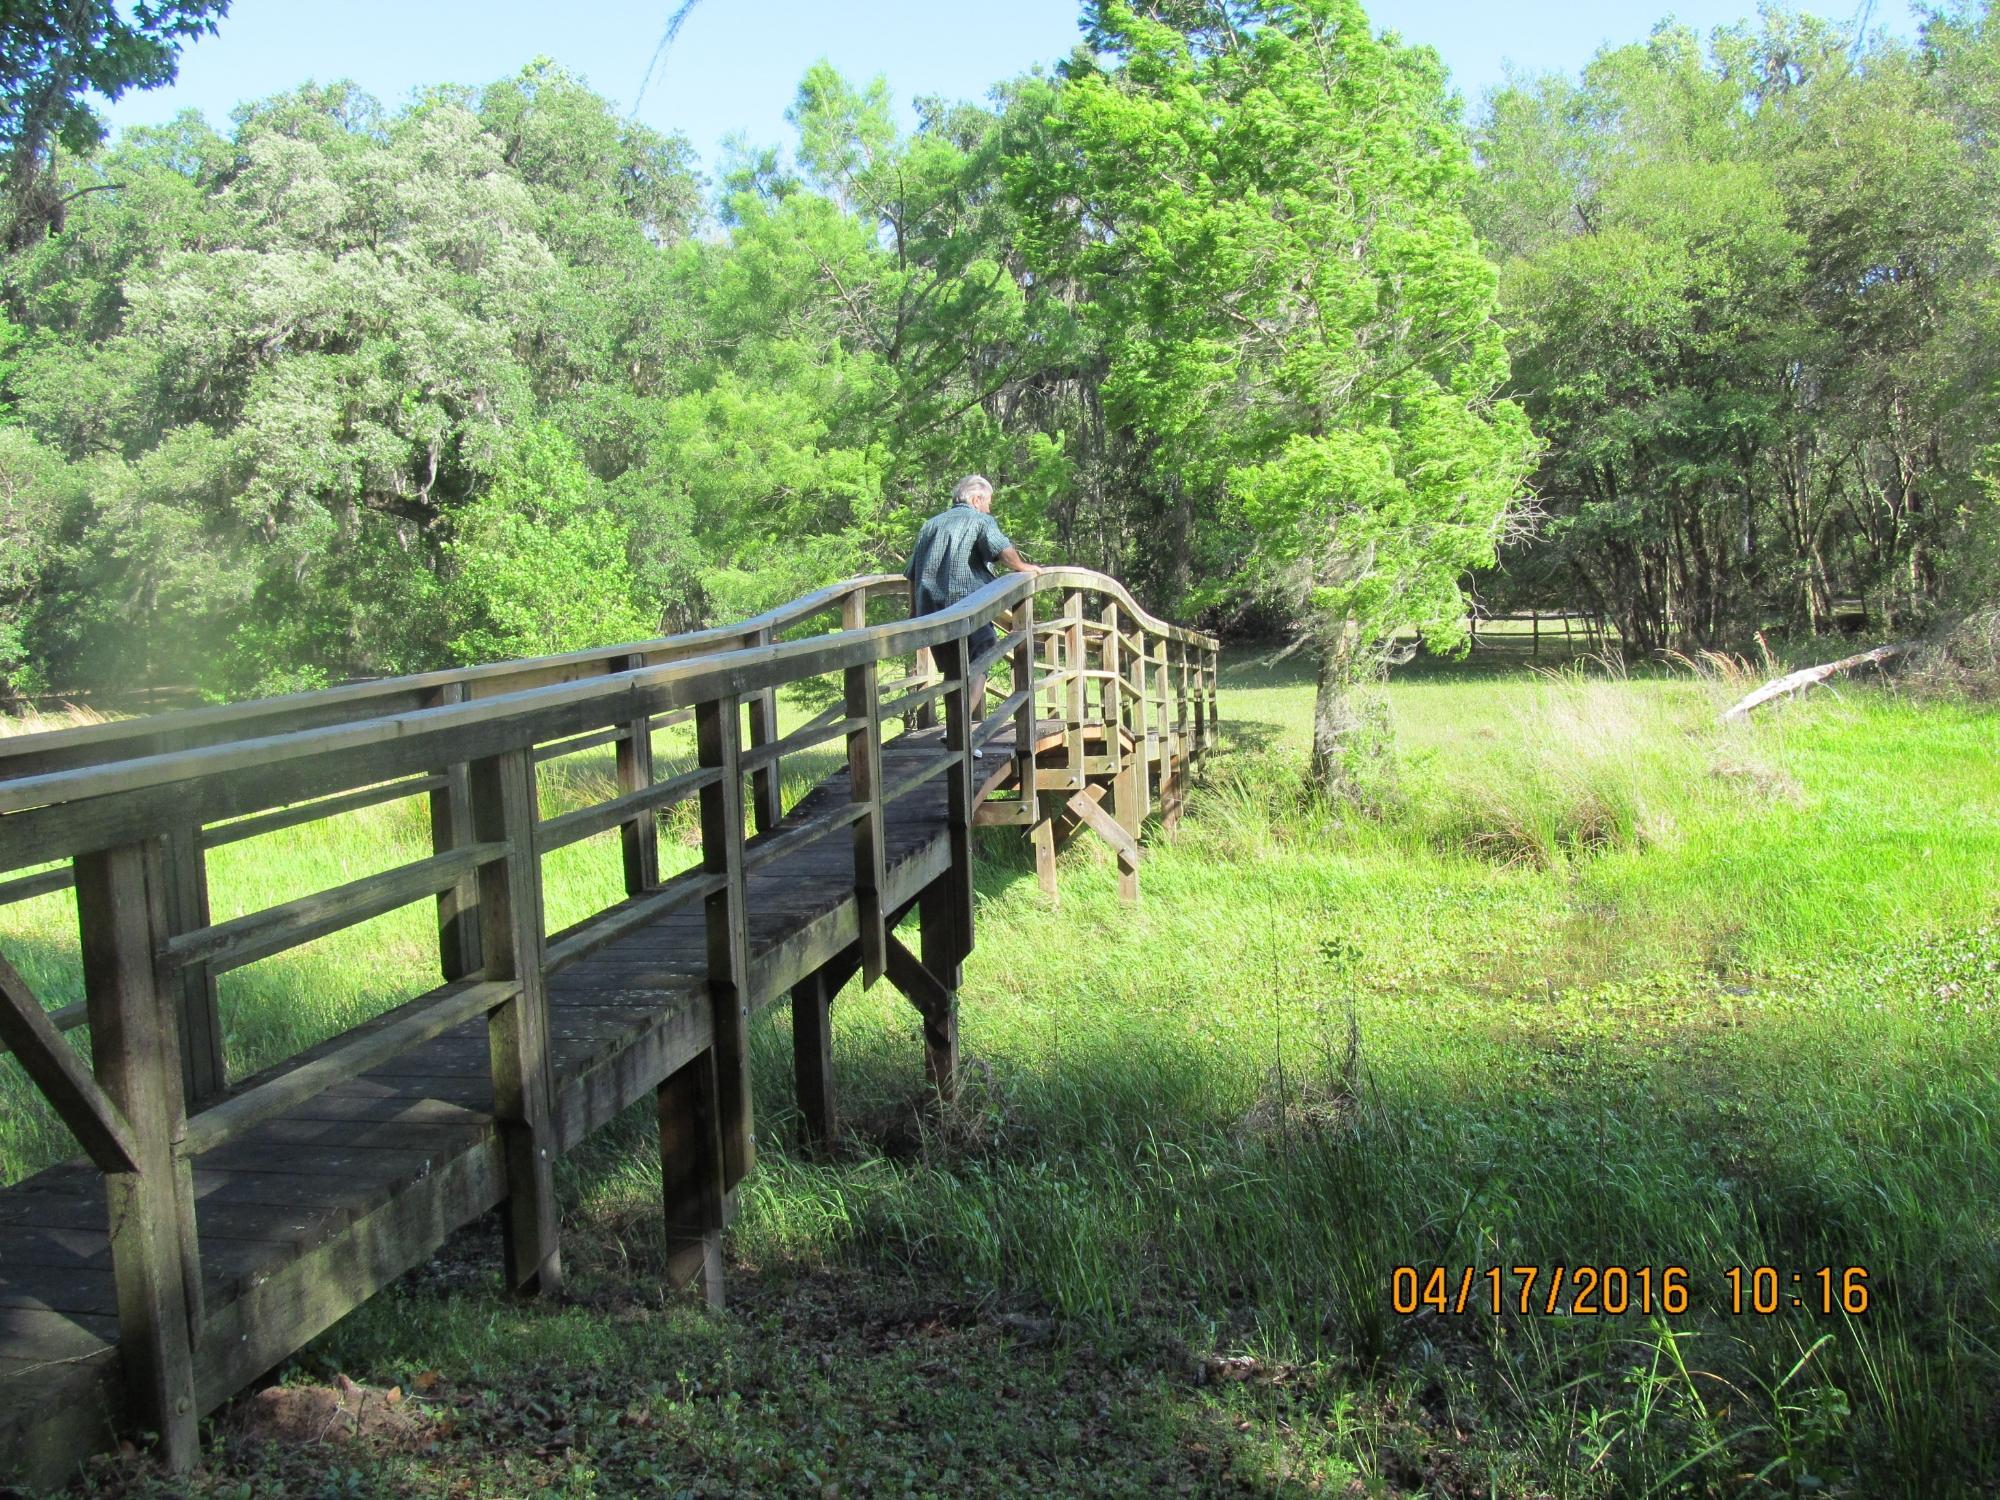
[37, 755]
[127, 812]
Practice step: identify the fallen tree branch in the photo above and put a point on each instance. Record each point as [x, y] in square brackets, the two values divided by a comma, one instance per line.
[1794, 683]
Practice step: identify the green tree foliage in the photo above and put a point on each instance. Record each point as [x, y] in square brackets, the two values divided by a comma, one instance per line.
[52, 53]
[1264, 204]
[1752, 289]
[340, 390]
[345, 392]
[285, 367]
[539, 562]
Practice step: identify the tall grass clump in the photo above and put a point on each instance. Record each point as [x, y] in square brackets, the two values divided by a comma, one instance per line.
[1581, 759]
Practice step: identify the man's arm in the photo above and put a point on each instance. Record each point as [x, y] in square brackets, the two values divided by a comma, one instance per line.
[1018, 563]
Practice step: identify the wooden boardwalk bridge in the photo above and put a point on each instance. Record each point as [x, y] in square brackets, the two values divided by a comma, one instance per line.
[214, 1225]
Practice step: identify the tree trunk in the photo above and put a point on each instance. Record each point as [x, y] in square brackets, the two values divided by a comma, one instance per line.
[1334, 717]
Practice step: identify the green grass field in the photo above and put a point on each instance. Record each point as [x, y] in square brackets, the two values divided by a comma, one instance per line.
[1594, 981]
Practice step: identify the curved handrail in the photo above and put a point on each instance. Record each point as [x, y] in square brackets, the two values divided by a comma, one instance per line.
[1111, 588]
[30, 754]
[39, 751]
[654, 689]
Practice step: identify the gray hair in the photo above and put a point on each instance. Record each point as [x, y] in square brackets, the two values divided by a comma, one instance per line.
[969, 486]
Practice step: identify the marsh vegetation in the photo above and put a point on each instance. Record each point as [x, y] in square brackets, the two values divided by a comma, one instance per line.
[1592, 980]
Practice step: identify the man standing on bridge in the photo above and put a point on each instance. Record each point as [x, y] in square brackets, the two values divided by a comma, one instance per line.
[955, 555]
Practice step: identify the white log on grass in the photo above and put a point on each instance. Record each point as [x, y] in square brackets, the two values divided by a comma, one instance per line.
[1794, 683]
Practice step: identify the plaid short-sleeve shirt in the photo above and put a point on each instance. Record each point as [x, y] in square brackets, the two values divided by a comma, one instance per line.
[954, 556]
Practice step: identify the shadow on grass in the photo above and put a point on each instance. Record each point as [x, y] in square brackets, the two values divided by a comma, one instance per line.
[1120, 1220]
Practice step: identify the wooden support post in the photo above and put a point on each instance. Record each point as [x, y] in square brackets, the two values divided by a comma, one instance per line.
[1024, 720]
[1058, 661]
[1046, 641]
[204, 1078]
[135, 1048]
[767, 792]
[1535, 631]
[517, 1034]
[961, 712]
[864, 779]
[1169, 739]
[451, 828]
[1214, 699]
[812, 1056]
[1139, 765]
[1073, 700]
[1124, 798]
[938, 1005]
[943, 955]
[639, 838]
[1193, 659]
[691, 1176]
[717, 726]
[1182, 740]
[1183, 695]
[1042, 836]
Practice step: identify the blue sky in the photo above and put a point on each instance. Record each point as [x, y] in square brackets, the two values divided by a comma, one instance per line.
[736, 63]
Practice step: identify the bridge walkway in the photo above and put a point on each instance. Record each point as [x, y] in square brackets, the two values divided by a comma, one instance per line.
[351, 1162]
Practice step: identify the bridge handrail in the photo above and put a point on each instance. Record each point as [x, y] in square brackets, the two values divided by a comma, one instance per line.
[406, 739]
[184, 796]
[151, 734]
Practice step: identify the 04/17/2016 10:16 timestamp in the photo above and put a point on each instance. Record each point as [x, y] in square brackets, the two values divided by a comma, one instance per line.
[1609, 1291]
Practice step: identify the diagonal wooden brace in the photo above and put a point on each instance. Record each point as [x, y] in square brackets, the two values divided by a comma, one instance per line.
[937, 1003]
[99, 1125]
[919, 985]
[1088, 810]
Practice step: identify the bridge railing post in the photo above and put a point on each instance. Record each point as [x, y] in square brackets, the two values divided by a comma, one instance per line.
[767, 791]
[1026, 663]
[122, 921]
[511, 938]
[1193, 671]
[451, 828]
[1111, 697]
[204, 1078]
[1124, 800]
[1039, 657]
[945, 907]
[1214, 706]
[718, 739]
[638, 836]
[1163, 707]
[1079, 663]
[923, 672]
[962, 705]
[860, 688]
[1182, 736]
[704, 1107]
[1177, 682]
[1142, 721]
